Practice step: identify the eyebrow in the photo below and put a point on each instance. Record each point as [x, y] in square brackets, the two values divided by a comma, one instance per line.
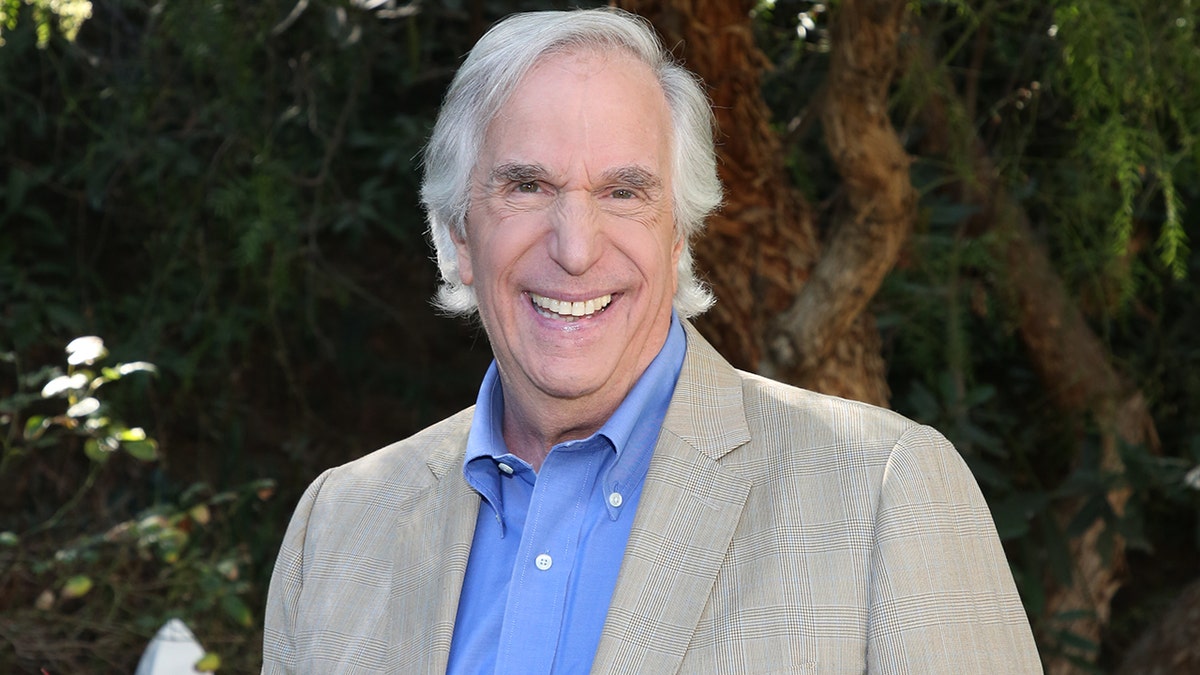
[632, 176]
[518, 173]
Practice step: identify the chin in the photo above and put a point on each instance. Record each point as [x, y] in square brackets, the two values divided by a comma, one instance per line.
[567, 388]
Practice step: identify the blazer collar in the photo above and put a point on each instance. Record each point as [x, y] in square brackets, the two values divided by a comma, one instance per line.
[437, 538]
[446, 457]
[689, 509]
[706, 409]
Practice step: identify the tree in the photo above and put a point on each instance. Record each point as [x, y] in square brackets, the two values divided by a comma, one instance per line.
[797, 306]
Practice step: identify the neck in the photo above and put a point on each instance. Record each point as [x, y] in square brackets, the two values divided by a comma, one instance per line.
[531, 430]
[536, 419]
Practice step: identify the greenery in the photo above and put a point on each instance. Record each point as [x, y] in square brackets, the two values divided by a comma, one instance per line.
[180, 553]
[228, 191]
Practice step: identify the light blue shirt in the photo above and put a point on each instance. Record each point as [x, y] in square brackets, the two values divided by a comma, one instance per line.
[548, 545]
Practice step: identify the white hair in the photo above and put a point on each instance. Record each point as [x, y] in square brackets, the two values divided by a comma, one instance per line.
[492, 70]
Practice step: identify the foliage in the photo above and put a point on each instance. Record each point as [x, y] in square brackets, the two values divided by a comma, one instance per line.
[230, 192]
[1088, 111]
[227, 190]
[65, 579]
[1131, 71]
[67, 15]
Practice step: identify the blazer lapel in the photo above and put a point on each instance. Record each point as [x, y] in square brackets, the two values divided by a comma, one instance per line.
[689, 508]
[430, 566]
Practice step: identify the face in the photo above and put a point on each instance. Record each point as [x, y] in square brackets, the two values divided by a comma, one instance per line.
[570, 242]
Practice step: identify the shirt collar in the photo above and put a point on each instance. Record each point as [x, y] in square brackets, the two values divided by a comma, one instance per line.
[631, 431]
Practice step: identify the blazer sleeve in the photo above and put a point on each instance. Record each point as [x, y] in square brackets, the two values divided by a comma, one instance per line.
[287, 582]
[942, 597]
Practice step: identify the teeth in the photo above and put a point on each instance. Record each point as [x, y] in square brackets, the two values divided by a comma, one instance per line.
[567, 309]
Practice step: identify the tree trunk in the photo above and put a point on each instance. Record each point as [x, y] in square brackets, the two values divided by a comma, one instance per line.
[1072, 362]
[794, 307]
[762, 248]
[1172, 644]
[876, 214]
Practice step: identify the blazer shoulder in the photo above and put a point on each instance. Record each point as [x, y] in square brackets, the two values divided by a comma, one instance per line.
[817, 417]
[411, 464]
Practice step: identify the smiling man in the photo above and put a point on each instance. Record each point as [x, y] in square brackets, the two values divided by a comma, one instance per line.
[570, 244]
[620, 499]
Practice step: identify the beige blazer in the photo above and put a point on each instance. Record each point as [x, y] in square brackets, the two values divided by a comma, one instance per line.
[779, 531]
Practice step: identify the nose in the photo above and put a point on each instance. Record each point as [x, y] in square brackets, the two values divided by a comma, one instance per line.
[576, 240]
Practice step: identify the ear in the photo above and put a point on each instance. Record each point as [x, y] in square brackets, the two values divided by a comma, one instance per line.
[676, 251]
[466, 273]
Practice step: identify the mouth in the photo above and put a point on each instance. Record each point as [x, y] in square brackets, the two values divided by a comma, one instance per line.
[566, 310]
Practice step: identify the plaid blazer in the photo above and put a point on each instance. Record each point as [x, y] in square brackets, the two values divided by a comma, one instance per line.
[779, 531]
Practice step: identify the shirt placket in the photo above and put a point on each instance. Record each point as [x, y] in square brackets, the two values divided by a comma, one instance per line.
[549, 544]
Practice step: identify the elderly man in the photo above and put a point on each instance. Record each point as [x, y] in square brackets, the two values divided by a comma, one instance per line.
[620, 499]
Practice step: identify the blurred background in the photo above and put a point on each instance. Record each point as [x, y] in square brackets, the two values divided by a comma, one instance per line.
[975, 212]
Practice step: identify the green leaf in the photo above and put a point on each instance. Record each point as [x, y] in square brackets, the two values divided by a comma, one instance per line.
[264, 488]
[35, 426]
[1014, 513]
[9, 539]
[1030, 587]
[228, 568]
[1080, 642]
[146, 450]
[96, 452]
[1072, 615]
[1095, 508]
[200, 514]
[210, 662]
[951, 213]
[989, 474]
[237, 610]
[134, 434]
[77, 586]
[18, 184]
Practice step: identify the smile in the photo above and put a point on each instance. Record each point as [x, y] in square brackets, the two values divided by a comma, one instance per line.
[565, 309]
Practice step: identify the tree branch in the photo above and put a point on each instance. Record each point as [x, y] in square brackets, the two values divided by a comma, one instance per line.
[878, 208]
[1073, 363]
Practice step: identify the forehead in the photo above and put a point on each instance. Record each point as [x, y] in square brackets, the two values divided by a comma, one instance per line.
[606, 105]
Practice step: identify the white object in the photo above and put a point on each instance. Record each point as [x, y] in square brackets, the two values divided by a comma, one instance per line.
[172, 651]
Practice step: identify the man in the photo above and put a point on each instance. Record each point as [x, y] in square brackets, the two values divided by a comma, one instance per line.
[620, 499]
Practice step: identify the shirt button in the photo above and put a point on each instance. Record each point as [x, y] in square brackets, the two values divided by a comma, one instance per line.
[615, 499]
[543, 562]
[505, 468]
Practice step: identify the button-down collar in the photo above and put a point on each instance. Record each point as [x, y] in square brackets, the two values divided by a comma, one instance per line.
[631, 432]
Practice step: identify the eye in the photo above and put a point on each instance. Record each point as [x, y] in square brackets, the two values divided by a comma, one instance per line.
[623, 193]
[528, 187]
